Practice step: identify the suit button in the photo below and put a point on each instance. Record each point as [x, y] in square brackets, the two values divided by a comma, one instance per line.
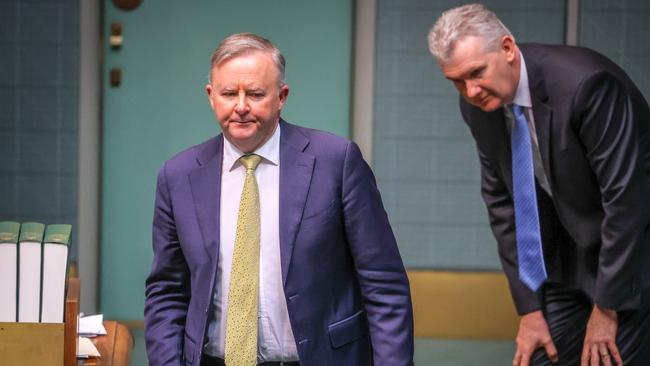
[635, 289]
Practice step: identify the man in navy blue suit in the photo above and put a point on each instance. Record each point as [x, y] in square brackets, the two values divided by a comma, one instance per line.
[332, 286]
[583, 289]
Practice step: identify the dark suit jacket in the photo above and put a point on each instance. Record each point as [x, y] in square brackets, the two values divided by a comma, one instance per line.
[593, 128]
[346, 288]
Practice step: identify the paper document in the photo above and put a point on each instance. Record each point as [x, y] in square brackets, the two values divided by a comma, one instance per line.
[86, 348]
[90, 326]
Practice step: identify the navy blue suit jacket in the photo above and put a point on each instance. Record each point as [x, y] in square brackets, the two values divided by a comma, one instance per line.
[593, 130]
[345, 285]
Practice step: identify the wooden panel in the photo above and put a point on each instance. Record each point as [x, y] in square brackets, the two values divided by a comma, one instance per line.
[123, 345]
[467, 305]
[457, 305]
[71, 312]
[31, 344]
[43, 344]
[115, 347]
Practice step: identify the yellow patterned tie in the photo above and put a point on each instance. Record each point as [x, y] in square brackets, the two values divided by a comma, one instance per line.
[241, 321]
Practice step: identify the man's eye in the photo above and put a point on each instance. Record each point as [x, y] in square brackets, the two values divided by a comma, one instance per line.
[477, 73]
[257, 95]
[228, 94]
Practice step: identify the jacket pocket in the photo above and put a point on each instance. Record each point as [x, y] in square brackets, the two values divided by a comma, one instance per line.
[347, 330]
[188, 349]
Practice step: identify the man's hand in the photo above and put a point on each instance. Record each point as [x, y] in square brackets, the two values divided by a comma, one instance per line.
[533, 333]
[600, 339]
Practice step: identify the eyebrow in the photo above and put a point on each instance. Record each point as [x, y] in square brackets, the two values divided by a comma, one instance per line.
[469, 73]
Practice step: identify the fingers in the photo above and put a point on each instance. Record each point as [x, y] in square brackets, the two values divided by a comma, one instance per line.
[613, 351]
[521, 358]
[604, 354]
[525, 359]
[595, 353]
[516, 361]
[551, 351]
[584, 359]
[523, 355]
[595, 358]
[533, 334]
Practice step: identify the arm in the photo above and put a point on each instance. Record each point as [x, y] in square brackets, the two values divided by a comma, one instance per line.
[533, 329]
[498, 201]
[609, 132]
[381, 274]
[501, 213]
[167, 287]
[608, 129]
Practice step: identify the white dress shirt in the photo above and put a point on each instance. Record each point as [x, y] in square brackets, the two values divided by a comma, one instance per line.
[523, 98]
[275, 337]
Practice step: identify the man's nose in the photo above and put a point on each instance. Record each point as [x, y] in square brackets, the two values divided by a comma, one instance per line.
[242, 105]
[472, 89]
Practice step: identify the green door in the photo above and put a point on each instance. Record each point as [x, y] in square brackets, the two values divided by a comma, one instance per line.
[161, 107]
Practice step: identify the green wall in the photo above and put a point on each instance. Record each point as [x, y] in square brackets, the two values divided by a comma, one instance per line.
[161, 107]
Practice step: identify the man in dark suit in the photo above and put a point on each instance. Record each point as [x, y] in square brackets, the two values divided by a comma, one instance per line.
[563, 137]
[271, 244]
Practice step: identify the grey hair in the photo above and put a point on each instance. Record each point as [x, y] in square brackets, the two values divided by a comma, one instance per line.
[241, 43]
[458, 23]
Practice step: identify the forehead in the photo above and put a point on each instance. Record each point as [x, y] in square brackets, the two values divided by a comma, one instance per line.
[254, 66]
[468, 54]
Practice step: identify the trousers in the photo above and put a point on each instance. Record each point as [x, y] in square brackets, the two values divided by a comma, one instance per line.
[567, 311]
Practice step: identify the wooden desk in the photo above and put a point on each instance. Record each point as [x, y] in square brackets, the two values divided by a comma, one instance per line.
[115, 347]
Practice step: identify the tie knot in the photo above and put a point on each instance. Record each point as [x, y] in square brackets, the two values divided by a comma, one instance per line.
[250, 161]
[518, 111]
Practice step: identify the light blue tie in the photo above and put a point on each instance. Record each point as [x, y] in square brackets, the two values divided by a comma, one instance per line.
[529, 244]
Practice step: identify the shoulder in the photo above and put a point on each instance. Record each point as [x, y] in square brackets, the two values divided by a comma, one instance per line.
[577, 59]
[563, 67]
[563, 72]
[191, 158]
[316, 142]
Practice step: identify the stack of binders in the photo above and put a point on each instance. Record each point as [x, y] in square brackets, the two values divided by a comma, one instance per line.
[33, 268]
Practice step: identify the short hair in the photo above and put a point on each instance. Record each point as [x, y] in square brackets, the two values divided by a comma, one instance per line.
[460, 22]
[241, 43]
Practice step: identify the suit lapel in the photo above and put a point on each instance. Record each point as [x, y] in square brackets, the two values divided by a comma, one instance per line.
[206, 193]
[543, 121]
[501, 142]
[296, 169]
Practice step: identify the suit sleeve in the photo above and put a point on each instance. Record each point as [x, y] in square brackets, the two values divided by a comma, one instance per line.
[380, 271]
[609, 131]
[501, 214]
[167, 287]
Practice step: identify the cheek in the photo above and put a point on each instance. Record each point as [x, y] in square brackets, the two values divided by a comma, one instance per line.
[223, 106]
[264, 109]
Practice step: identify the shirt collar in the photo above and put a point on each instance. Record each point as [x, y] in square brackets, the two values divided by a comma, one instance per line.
[522, 94]
[270, 151]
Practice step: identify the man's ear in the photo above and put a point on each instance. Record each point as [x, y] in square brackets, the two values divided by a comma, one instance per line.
[284, 93]
[508, 46]
[209, 90]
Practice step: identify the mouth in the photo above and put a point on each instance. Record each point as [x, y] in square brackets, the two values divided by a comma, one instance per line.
[483, 99]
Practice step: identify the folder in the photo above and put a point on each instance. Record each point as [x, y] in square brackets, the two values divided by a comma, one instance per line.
[55, 264]
[29, 271]
[8, 270]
